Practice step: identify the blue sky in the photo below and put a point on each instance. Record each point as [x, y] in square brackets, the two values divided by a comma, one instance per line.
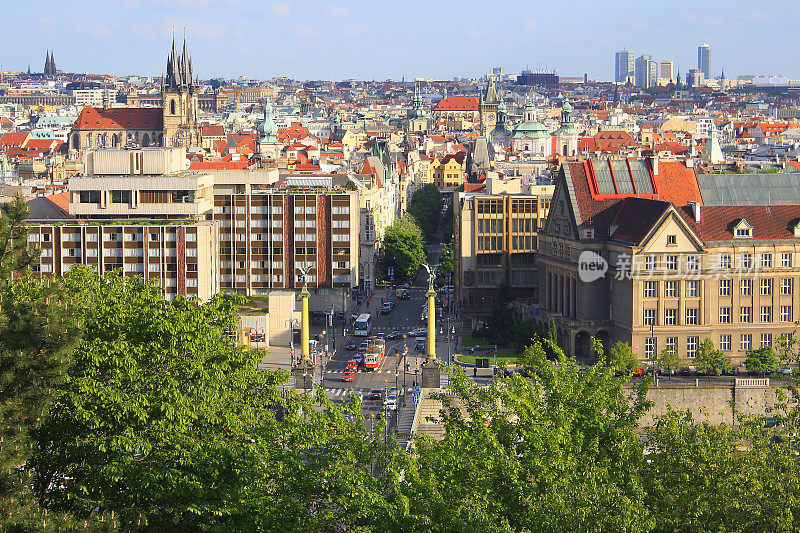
[379, 39]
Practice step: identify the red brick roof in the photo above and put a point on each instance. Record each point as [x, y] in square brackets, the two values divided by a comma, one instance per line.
[607, 141]
[14, 139]
[218, 165]
[473, 187]
[213, 131]
[120, 118]
[768, 221]
[457, 103]
[60, 201]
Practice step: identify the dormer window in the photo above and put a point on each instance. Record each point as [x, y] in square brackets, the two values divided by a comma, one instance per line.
[742, 230]
[796, 229]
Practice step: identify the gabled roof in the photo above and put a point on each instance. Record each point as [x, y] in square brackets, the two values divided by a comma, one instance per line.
[213, 131]
[14, 139]
[457, 103]
[120, 118]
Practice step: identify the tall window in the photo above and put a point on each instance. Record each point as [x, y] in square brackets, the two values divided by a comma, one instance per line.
[649, 317]
[766, 287]
[746, 260]
[650, 347]
[746, 342]
[670, 289]
[786, 259]
[747, 287]
[766, 260]
[650, 289]
[672, 262]
[691, 316]
[724, 315]
[691, 346]
[786, 313]
[691, 288]
[724, 287]
[786, 286]
[745, 315]
[671, 344]
[766, 340]
[724, 260]
[670, 317]
[766, 313]
[725, 342]
[172, 107]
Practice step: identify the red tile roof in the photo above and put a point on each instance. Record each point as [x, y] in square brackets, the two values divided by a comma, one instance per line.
[14, 139]
[768, 221]
[120, 118]
[218, 165]
[457, 103]
[60, 201]
[473, 187]
[213, 131]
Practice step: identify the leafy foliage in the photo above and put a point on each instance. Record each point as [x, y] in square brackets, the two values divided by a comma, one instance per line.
[669, 360]
[762, 360]
[621, 357]
[426, 208]
[447, 223]
[709, 359]
[403, 248]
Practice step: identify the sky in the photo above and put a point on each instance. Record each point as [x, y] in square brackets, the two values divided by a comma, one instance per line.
[381, 39]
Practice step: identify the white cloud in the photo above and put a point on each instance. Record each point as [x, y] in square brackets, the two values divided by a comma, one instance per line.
[529, 23]
[101, 30]
[307, 31]
[281, 10]
[363, 29]
[339, 11]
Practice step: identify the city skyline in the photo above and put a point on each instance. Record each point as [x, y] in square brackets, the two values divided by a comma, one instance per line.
[315, 40]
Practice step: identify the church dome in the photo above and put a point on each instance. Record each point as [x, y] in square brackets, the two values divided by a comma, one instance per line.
[530, 130]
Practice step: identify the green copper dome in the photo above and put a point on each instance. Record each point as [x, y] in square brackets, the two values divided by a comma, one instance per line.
[530, 130]
[268, 130]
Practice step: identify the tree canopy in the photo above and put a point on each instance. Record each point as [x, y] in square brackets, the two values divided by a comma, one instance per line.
[403, 248]
[426, 208]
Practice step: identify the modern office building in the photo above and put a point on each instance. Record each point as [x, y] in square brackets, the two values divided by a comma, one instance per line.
[496, 239]
[200, 233]
[645, 71]
[704, 60]
[623, 66]
[666, 70]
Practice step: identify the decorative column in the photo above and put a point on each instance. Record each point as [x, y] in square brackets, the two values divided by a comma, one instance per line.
[304, 371]
[431, 375]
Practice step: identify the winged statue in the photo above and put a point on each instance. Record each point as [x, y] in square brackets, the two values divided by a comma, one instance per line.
[431, 274]
[303, 274]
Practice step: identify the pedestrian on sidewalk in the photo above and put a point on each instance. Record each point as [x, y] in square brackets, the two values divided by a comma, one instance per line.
[474, 371]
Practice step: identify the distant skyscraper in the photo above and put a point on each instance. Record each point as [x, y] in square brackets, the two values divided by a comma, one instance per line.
[704, 60]
[646, 71]
[623, 65]
[666, 70]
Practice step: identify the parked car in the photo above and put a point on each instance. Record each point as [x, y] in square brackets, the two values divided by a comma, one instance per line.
[351, 345]
[348, 376]
[685, 371]
[376, 394]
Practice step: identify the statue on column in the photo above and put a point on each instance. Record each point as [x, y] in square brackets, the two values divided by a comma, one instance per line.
[431, 275]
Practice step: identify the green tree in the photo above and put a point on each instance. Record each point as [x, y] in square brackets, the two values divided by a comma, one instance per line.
[621, 357]
[709, 359]
[403, 248]
[703, 477]
[761, 360]
[426, 208]
[559, 451]
[446, 261]
[669, 361]
[15, 254]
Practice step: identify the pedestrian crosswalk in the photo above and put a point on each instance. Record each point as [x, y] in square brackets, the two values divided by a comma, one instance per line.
[372, 372]
[343, 391]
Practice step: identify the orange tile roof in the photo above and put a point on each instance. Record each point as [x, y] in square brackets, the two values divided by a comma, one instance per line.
[218, 165]
[60, 201]
[14, 139]
[120, 118]
[457, 103]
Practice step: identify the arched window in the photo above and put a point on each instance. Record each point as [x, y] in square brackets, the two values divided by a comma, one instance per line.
[172, 107]
[76, 142]
[146, 140]
[114, 141]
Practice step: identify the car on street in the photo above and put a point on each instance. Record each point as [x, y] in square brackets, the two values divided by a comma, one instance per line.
[392, 392]
[352, 364]
[417, 332]
[348, 376]
[351, 345]
[376, 394]
[358, 358]
[385, 310]
[363, 346]
[403, 294]
[379, 336]
[395, 335]
[391, 404]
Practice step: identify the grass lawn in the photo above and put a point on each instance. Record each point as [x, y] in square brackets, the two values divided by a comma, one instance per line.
[469, 341]
[501, 359]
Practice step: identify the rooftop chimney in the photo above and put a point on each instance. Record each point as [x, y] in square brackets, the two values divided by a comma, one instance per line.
[654, 162]
[689, 162]
[695, 207]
